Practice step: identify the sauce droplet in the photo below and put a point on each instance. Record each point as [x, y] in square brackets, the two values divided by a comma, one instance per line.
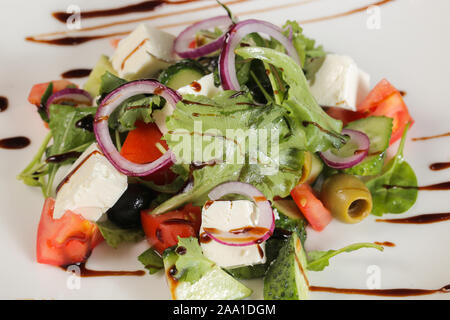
[3, 103]
[76, 73]
[385, 244]
[15, 143]
[197, 87]
[439, 166]
[86, 123]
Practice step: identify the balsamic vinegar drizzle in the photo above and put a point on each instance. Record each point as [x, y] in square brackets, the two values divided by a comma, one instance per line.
[76, 73]
[439, 166]
[144, 6]
[432, 137]
[14, 143]
[3, 103]
[62, 16]
[85, 272]
[420, 219]
[86, 123]
[57, 158]
[383, 292]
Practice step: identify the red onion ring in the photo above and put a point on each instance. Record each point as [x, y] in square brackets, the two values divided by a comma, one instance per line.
[182, 42]
[80, 96]
[363, 142]
[227, 66]
[101, 129]
[266, 217]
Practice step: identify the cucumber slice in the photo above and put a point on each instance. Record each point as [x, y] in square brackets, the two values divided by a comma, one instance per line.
[214, 284]
[92, 84]
[181, 74]
[378, 129]
[286, 278]
[370, 166]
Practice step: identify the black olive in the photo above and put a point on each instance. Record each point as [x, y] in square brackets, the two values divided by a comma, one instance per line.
[126, 213]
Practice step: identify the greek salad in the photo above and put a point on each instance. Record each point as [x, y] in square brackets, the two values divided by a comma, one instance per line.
[221, 147]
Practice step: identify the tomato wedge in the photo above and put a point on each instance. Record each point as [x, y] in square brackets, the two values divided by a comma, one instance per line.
[38, 90]
[312, 208]
[162, 231]
[140, 147]
[386, 100]
[67, 240]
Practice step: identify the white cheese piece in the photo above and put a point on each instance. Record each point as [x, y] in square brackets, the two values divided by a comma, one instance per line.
[143, 53]
[225, 216]
[91, 187]
[207, 88]
[339, 83]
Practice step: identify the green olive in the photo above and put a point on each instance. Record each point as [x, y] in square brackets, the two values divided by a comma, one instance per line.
[347, 198]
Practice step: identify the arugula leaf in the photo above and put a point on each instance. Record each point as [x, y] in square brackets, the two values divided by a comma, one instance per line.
[66, 135]
[191, 263]
[319, 260]
[388, 196]
[306, 47]
[115, 235]
[321, 130]
[151, 260]
[137, 108]
[109, 82]
[234, 159]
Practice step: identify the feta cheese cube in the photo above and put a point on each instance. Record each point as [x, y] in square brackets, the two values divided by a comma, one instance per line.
[339, 83]
[225, 216]
[143, 53]
[91, 187]
[204, 86]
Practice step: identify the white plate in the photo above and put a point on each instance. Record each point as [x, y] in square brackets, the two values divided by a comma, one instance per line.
[410, 49]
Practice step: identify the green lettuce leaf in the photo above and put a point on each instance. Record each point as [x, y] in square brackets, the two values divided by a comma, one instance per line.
[395, 190]
[151, 260]
[66, 135]
[137, 108]
[319, 260]
[191, 263]
[321, 131]
[306, 47]
[235, 161]
[115, 235]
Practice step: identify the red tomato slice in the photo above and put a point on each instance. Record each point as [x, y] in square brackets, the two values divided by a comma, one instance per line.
[140, 147]
[312, 208]
[38, 90]
[140, 144]
[162, 231]
[386, 100]
[67, 240]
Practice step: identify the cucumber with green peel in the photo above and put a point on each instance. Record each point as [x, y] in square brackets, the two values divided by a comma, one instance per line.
[378, 129]
[370, 166]
[191, 276]
[291, 219]
[92, 84]
[286, 278]
[182, 73]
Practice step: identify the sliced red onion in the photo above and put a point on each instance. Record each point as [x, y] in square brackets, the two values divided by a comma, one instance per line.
[227, 66]
[101, 129]
[266, 217]
[76, 95]
[363, 143]
[184, 39]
